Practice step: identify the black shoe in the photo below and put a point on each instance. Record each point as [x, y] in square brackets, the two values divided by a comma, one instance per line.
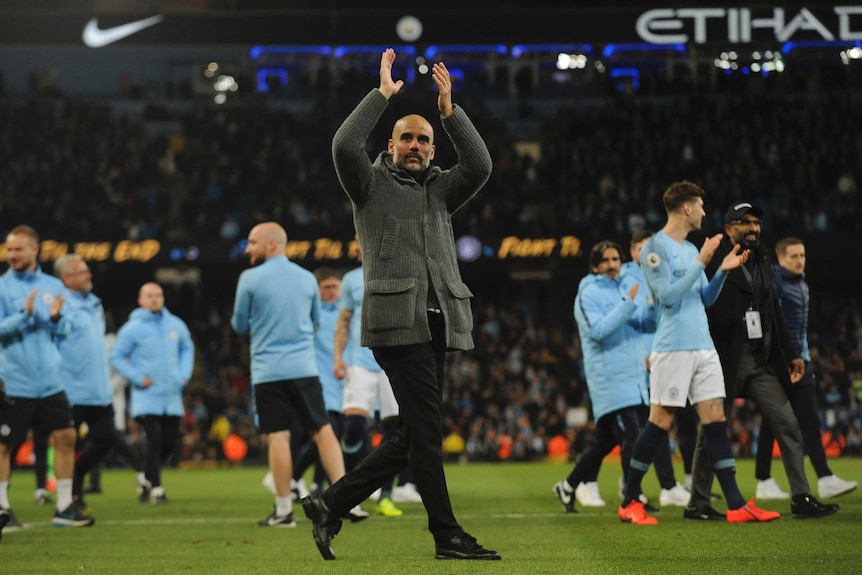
[705, 513]
[4, 519]
[72, 517]
[11, 521]
[326, 524]
[649, 508]
[567, 498]
[806, 507]
[275, 520]
[92, 490]
[464, 546]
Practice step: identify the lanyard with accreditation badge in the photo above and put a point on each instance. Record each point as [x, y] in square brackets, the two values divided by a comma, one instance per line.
[753, 323]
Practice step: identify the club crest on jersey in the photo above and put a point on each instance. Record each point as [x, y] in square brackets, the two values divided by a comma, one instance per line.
[653, 259]
[173, 335]
[47, 298]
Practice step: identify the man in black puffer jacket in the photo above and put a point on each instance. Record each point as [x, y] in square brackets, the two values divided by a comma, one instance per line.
[793, 299]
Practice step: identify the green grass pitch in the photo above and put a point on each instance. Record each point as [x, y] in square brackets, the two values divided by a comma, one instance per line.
[210, 527]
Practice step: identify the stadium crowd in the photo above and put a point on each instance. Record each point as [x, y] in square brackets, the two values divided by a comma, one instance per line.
[78, 169]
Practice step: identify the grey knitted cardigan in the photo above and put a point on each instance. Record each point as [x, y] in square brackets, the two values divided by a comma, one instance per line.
[405, 229]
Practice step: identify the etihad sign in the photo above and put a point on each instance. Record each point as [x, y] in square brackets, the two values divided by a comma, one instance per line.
[701, 25]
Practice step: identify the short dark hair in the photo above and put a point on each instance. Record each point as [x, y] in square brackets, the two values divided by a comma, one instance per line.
[324, 273]
[597, 252]
[785, 243]
[679, 193]
[640, 236]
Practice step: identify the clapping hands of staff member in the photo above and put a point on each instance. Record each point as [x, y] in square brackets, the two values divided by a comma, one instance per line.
[633, 291]
[57, 307]
[56, 304]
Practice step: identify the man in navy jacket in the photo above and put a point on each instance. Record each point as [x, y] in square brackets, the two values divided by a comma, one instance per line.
[793, 300]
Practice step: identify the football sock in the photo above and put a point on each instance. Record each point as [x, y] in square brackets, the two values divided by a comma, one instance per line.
[720, 453]
[283, 506]
[643, 455]
[64, 494]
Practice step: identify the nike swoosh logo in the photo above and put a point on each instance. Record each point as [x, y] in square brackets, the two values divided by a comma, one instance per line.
[95, 37]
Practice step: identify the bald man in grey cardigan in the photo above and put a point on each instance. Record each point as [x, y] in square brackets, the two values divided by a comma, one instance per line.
[416, 307]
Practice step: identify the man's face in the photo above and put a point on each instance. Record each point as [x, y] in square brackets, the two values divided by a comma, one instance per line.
[330, 289]
[78, 278]
[412, 144]
[256, 248]
[610, 264]
[793, 258]
[745, 231]
[696, 213]
[21, 252]
[636, 251]
[152, 298]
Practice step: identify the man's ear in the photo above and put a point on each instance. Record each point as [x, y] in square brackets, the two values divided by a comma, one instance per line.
[390, 147]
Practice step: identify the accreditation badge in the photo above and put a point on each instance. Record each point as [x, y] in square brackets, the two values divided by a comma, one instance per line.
[753, 325]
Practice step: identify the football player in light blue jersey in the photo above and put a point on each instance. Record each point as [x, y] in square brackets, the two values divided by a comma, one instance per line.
[277, 303]
[86, 374]
[684, 364]
[31, 323]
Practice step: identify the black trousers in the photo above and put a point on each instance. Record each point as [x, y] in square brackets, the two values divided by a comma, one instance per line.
[620, 427]
[306, 454]
[416, 374]
[163, 432]
[102, 436]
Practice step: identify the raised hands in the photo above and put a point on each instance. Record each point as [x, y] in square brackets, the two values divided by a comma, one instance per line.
[444, 85]
[57, 306]
[734, 259]
[30, 302]
[388, 86]
[633, 291]
[707, 250]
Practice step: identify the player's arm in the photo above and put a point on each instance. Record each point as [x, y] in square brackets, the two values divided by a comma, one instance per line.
[658, 275]
[601, 323]
[241, 307]
[342, 333]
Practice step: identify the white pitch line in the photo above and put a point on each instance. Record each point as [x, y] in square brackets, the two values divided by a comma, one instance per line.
[253, 520]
